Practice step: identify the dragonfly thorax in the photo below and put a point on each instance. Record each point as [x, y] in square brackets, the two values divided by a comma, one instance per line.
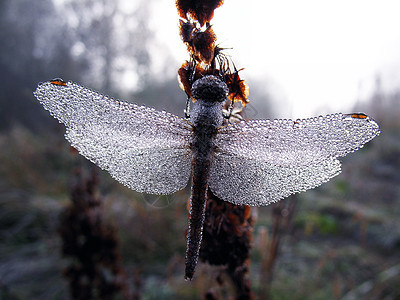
[210, 89]
[210, 93]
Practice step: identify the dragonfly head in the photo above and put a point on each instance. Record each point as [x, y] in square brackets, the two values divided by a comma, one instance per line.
[210, 89]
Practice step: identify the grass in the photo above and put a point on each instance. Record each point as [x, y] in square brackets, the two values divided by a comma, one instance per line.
[345, 233]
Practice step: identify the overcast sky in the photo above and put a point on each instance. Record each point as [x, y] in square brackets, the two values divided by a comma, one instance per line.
[318, 56]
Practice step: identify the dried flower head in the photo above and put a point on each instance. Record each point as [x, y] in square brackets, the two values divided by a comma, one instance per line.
[202, 11]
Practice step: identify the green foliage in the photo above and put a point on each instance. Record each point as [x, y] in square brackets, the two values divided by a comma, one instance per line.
[323, 223]
[342, 186]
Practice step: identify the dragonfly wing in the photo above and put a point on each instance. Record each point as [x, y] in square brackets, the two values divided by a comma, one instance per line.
[252, 182]
[262, 161]
[145, 149]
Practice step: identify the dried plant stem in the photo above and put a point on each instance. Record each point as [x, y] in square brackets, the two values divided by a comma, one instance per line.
[282, 213]
[227, 237]
[95, 270]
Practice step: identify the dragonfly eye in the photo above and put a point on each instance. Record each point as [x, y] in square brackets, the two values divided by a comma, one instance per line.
[210, 89]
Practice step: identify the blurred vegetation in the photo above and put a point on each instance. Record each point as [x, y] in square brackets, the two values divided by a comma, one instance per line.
[344, 239]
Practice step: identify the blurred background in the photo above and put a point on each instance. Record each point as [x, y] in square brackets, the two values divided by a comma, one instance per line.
[301, 60]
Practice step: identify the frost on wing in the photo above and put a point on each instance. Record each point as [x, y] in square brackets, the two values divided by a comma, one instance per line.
[262, 161]
[145, 149]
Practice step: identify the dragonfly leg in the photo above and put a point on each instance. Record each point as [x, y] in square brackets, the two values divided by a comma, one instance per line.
[230, 110]
[187, 108]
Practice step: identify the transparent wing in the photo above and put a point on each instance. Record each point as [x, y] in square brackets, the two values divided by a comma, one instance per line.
[262, 161]
[145, 149]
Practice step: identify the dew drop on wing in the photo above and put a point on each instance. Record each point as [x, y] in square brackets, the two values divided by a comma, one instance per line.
[145, 149]
[262, 161]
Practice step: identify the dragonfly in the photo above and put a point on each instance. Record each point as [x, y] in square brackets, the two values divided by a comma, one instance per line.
[252, 162]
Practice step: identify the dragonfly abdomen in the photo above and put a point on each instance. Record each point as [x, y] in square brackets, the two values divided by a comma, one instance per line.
[206, 118]
[202, 148]
[200, 175]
